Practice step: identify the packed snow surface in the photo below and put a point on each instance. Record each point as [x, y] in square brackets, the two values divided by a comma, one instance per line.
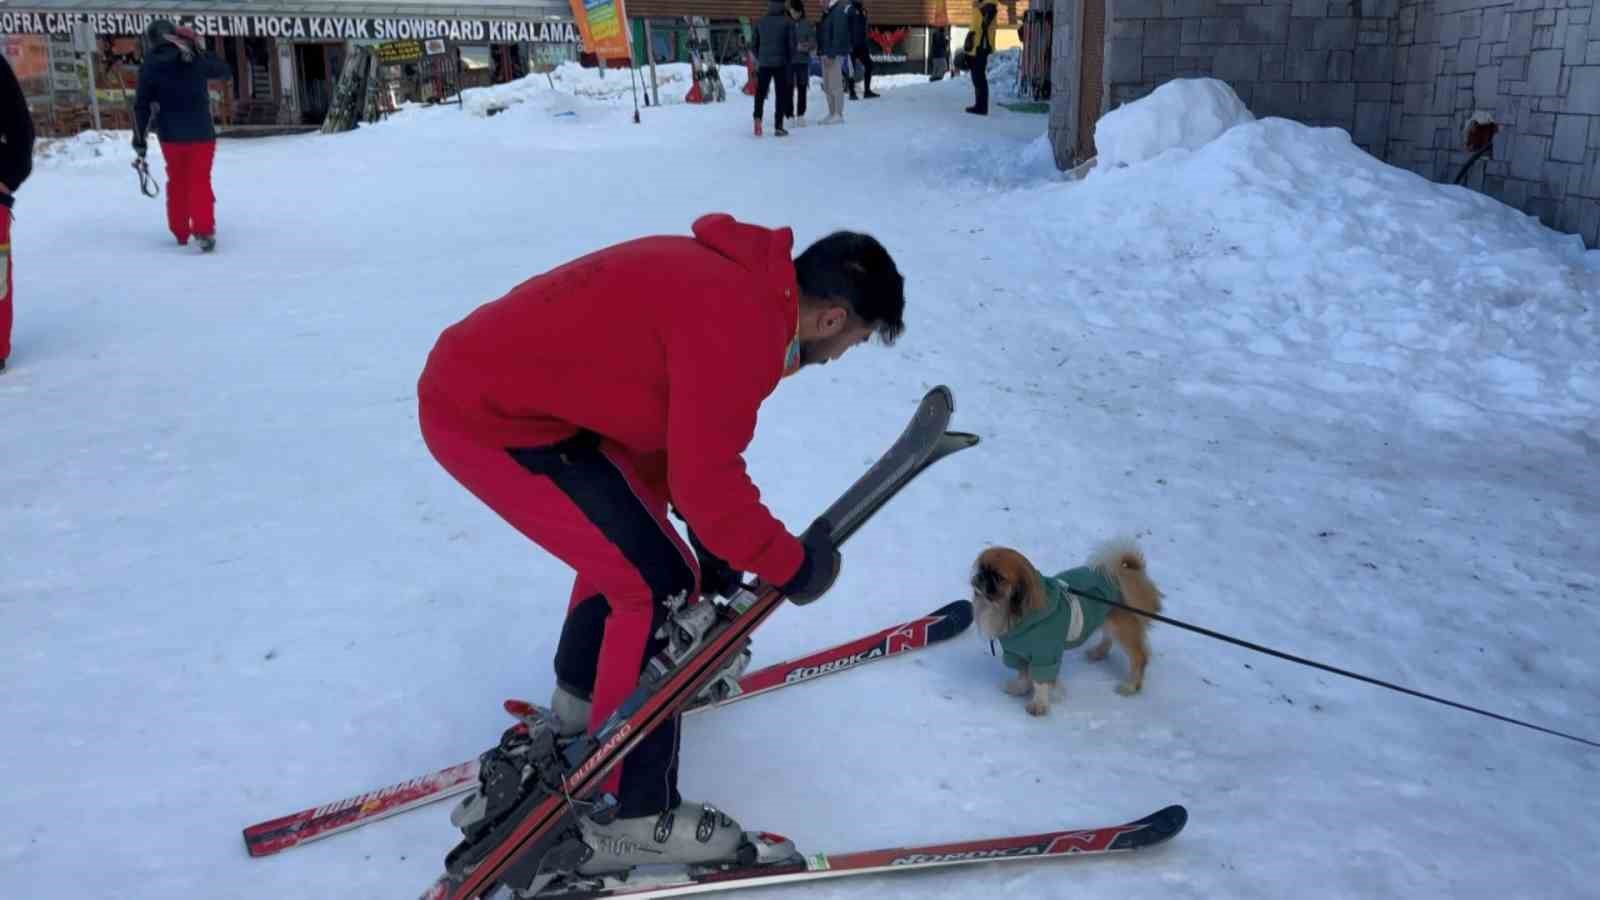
[1349, 414]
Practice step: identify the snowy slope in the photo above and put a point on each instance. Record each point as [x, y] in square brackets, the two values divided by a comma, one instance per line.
[1350, 414]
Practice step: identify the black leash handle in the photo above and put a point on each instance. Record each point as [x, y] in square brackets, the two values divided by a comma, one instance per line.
[147, 185]
[1327, 668]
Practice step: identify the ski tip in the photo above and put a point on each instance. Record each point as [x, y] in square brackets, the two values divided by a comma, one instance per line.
[957, 616]
[1167, 822]
[943, 392]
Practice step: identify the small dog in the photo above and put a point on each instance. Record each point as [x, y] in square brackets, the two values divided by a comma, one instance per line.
[1036, 618]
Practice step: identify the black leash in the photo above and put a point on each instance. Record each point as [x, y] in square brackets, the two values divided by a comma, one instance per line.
[147, 184]
[1327, 668]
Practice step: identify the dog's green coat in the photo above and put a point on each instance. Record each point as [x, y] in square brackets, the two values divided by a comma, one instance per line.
[1036, 644]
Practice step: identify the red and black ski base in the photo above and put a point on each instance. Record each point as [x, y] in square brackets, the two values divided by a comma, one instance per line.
[1156, 828]
[282, 833]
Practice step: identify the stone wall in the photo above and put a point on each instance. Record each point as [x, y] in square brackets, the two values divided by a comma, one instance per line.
[1323, 62]
[1402, 76]
[1535, 66]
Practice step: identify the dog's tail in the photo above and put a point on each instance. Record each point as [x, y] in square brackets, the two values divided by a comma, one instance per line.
[1122, 560]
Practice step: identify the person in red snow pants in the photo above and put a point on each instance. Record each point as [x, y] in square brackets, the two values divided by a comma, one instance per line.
[174, 97]
[16, 164]
[5, 281]
[191, 204]
[597, 399]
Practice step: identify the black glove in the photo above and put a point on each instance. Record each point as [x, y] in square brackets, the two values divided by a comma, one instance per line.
[819, 569]
[716, 576]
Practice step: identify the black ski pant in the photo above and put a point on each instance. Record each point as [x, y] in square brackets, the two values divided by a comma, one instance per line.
[980, 82]
[767, 78]
[863, 70]
[800, 79]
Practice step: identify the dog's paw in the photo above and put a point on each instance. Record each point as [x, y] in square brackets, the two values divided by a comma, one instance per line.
[1128, 688]
[1016, 687]
[1038, 708]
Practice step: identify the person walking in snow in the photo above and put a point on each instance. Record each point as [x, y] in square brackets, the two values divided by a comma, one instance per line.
[16, 164]
[860, 50]
[775, 52]
[980, 42]
[173, 94]
[833, 42]
[590, 400]
[805, 39]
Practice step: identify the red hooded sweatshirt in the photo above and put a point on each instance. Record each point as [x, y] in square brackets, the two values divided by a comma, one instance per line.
[666, 345]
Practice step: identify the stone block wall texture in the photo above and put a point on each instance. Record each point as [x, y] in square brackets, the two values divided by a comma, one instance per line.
[1322, 62]
[1535, 66]
[1401, 76]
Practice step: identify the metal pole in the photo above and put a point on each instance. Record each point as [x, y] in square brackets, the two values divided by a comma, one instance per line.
[650, 53]
[94, 93]
[84, 43]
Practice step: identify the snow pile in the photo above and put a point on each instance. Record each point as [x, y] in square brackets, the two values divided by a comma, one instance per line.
[1349, 413]
[1003, 69]
[1183, 113]
[88, 149]
[556, 90]
[1285, 241]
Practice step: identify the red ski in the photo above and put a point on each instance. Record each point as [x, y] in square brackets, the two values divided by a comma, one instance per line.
[266, 838]
[1153, 829]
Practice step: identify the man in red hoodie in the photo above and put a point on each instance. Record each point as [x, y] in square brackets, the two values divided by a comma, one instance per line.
[591, 399]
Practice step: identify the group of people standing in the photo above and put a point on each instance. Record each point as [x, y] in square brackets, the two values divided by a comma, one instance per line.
[785, 43]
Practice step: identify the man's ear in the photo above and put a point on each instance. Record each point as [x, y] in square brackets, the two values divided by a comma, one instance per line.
[832, 320]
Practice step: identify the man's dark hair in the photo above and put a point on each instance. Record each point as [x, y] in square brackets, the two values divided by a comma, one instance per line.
[855, 269]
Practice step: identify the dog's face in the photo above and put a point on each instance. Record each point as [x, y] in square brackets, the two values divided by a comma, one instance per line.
[1005, 588]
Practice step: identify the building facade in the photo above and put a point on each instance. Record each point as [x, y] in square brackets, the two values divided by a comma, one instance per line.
[1403, 77]
[286, 57]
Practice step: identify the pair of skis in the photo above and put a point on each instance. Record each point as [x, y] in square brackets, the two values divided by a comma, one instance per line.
[515, 854]
[275, 835]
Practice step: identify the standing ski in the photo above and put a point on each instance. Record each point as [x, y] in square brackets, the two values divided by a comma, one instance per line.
[284, 832]
[527, 838]
[1156, 828]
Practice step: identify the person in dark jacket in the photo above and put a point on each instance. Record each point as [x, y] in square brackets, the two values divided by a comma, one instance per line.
[16, 164]
[805, 44]
[981, 44]
[860, 50]
[173, 95]
[833, 44]
[775, 52]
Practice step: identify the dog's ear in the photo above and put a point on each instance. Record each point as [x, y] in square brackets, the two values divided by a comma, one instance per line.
[1017, 603]
[985, 579]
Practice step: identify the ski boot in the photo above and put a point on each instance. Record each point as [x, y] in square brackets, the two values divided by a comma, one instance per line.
[691, 834]
[208, 242]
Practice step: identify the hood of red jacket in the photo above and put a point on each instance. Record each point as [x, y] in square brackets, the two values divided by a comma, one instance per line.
[766, 252]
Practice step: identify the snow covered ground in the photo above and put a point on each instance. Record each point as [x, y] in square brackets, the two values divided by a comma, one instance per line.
[1350, 414]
